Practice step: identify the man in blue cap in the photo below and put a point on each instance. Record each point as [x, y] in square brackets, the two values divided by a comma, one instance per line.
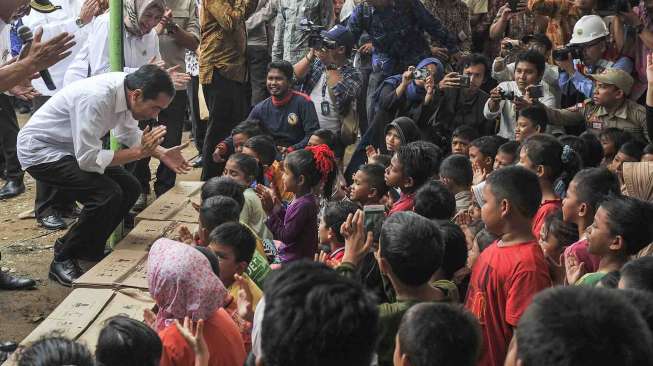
[328, 76]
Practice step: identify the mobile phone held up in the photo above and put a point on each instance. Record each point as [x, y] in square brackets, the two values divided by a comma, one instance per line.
[374, 214]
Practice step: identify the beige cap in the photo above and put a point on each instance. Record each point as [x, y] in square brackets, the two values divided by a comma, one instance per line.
[616, 77]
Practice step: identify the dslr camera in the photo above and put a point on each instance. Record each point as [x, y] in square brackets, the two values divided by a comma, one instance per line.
[464, 81]
[606, 8]
[315, 39]
[507, 95]
[562, 54]
[421, 74]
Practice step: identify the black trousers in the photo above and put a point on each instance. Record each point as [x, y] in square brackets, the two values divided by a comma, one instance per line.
[173, 118]
[258, 59]
[198, 126]
[8, 133]
[107, 198]
[228, 105]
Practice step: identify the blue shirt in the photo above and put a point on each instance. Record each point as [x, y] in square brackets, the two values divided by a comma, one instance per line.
[585, 85]
[397, 34]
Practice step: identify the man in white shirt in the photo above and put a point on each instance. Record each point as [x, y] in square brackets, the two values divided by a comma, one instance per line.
[61, 145]
[511, 96]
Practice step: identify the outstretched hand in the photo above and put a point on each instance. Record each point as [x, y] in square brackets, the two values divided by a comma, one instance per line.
[45, 54]
[179, 79]
[193, 333]
[245, 299]
[575, 269]
[174, 160]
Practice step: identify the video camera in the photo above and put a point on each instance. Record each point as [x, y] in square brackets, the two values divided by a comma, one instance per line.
[315, 39]
[611, 7]
[562, 54]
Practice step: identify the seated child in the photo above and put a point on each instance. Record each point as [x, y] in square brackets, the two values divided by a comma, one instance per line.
[482, 152]
[581, 327]
[621, 228]
[584, 195]
[461, 138]
[239, 135]
[335, 214]
[55, 350]
[451, 274]
[456, 174]
[611, 140]
[555, 236]
[322, 137]
[244, 170]
[638, 274]
[435, 202]
[594, 149]
[127, 342]
[629, 152]
[368, 187]
[508, 273]
[262, 148]
[411, 166]
[401, 131]
[507, 155]
[420, 341]
[530, 121]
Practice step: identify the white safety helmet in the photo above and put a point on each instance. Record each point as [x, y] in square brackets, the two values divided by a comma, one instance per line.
[589, 28]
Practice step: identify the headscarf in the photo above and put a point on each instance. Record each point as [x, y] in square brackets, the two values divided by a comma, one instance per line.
[414, 93]
[406, 128]
[182, 283]
[134, 10]
[638, 179]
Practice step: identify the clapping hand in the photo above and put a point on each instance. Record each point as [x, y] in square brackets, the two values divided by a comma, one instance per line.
[245, 299]
[193, 333]
[575, 269]
[151, 139]
[179, 79]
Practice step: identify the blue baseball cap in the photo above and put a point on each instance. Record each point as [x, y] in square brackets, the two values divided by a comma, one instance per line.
[341, 35]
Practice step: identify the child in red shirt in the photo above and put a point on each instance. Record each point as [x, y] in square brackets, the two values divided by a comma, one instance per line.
[512, 270]
[335, 214]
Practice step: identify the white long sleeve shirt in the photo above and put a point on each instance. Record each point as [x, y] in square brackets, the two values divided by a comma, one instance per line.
[73, 122]
[53, 24]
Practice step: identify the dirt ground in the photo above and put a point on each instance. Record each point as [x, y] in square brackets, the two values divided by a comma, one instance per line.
[27, 251]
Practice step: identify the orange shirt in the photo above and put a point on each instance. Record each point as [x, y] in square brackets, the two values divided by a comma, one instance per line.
[222, 337]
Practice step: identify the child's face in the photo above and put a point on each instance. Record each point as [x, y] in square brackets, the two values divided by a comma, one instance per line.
[460, 146]
[524, 128]
[477, 158]
[607, 144]
[289, 180]
[228, 264]
[647, 157]
[571, 204]
[599, 237]
[394, 173]
[503, 160]
[323, 232]
[315, 141]
[550, 245]
[360, 189]
[392, 140]
[491, 212]
[526, 162]
[618, 162]
[232, 170]
[239, 140]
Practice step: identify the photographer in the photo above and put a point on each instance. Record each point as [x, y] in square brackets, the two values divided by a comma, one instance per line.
[511, 96]
[328, 76]
[608, 108]
[584, 56]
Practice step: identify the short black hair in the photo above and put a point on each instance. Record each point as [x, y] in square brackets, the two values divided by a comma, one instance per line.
[284, 66]
[643, 302]
[375, 174]
[263, 145]
[537, 115]
[465, 132]
[327, 137]
[648, 149]
[546, 150]
[539, 38]
[382, 159]
[423, 339]
[413, 247]
[638, 274]
[510, 148]
[55, 350]
[458, 168]
[532, 57]
[217, 210]
[487, 145]
[580, 326]
[238, 237]
[152, 81]
[593, 150]
[631, 219]
[634, 149]
[517, 185]
[578, 145]
[247, 164]
[565, 232]
[224, 186]
[434, 201]
[594, 185]
[616, 135]
[250, 127]
[610, 280]
[214, 262]
[476, 59]
[314, 316]
[129, 342]
[455, 248]
[335, 214]
[420, 161]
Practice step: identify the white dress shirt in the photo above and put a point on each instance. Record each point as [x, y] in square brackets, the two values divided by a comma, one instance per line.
[507, 108]
[53, 24]
[5, 45]
[73, 122]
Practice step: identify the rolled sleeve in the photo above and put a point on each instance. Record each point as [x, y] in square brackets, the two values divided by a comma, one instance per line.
[489, 114]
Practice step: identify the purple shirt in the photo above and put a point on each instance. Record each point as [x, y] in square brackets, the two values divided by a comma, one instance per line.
[296, 228]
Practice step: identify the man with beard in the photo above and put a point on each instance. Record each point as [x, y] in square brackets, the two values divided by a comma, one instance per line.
[289, 116]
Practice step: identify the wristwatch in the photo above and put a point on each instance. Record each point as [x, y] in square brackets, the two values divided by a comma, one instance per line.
[80, 23]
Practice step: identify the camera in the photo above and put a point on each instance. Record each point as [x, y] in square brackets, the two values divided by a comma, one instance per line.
[507, 95]
[421, 74]
[536, 91]
[511, 45]
[513, 5]
[315, 39]
[464, 81]
[611, 7]
[563, 54]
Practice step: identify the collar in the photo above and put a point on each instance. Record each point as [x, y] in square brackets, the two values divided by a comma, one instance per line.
[121, 98]
[621, 112]
[283, 101]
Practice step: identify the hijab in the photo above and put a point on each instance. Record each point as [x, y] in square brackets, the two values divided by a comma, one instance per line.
[134, 10]
[406, 129]
[414, 93]
[182, 283]
[638, 179]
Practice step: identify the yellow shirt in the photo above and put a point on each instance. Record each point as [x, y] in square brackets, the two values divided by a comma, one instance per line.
[257, 294]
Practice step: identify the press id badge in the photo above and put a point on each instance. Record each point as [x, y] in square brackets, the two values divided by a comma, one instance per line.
[326, 108]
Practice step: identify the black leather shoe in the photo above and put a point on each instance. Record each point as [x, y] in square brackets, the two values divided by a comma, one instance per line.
[52, 222]
[198, 162]
[65, 272]
[12, 189]
[140, 203]
[74, 212]
[8, 346]
[9, 282]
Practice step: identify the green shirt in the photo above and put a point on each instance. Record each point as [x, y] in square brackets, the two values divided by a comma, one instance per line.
[590, 279]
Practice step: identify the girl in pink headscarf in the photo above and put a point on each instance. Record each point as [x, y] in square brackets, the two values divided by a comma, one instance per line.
[183, 284]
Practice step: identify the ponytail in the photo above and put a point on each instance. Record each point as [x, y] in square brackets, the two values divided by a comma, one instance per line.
[318, 166]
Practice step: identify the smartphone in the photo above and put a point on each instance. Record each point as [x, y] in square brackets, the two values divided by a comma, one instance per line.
[536, 91]
[513, 5]
[464, 81]
[373, 215]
